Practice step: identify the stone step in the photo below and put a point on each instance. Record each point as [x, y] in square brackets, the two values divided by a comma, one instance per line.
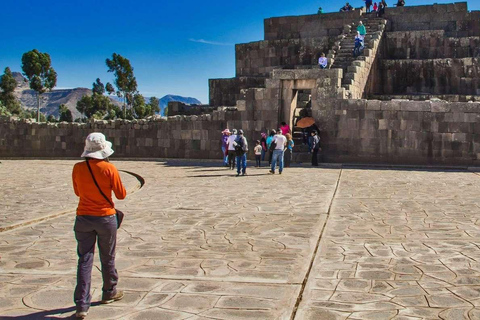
[301, 157]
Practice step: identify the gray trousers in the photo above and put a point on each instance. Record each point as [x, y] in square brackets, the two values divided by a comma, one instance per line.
[87, 230]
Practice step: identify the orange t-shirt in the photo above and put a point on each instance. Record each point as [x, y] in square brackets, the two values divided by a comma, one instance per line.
[92, 203]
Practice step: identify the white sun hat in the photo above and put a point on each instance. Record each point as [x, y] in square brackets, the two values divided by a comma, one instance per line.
[97, 146]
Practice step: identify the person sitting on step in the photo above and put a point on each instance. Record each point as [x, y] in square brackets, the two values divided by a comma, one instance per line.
[322, 61]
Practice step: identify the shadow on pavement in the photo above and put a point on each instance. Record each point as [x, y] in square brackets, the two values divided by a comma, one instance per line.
[234, 175]
[49, 314]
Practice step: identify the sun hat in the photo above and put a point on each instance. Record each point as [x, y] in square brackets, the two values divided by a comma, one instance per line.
[225, 131]
[234, 131]
[97, 146]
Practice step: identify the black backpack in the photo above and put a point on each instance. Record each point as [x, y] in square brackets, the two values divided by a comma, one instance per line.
[239, 146]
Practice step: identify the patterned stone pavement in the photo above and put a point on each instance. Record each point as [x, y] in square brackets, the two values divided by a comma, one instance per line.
[399, 245]
[199, 243]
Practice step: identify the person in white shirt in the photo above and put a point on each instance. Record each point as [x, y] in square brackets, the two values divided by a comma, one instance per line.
[231, 149]
[322, 61]
[280, 142]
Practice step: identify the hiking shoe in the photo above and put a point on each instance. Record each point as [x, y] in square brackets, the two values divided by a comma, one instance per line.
[118, 296]
[81, 314]
[237, 174]
[271, 171]
[280, 172]
[243, 174]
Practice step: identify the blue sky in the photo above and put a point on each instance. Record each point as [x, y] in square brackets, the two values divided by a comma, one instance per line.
[174, 46]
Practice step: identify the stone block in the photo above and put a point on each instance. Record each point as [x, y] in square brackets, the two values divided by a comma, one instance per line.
[442, 106]
[373, 105]
[393, 105]
[418, 106]
[241, 105]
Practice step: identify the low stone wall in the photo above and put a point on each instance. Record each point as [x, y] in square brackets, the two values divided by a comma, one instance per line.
[196, 137]
[405, 132]
[226, 92]
[436, 76]
[261, 57]
[309, 26]
[431, 44]
[176, 108]
[453, 18]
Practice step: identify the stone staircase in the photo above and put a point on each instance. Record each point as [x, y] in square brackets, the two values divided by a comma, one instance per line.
[356, 70]
[300, 151]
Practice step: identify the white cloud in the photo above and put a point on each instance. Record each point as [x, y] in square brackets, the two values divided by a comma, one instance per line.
[214, 43]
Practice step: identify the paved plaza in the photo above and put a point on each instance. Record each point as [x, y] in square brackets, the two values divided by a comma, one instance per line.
[199, 243]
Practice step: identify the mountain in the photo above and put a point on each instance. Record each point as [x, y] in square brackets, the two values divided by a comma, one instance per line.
[51, 100]
[169, 97]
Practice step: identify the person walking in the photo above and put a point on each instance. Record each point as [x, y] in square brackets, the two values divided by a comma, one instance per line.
[225, 135]
[288, 150]
[285, 128]
[94, 180]
[362, 30]
[269, 142]
[358, 49]
[231, 149]
[368, 4]
[263, 143]
[278, 153]
[315, 147]
[258, 154]
[241, 149]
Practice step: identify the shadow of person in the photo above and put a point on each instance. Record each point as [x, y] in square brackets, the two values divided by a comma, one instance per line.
[49, 314]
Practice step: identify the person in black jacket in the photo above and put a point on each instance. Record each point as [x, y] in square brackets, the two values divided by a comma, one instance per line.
[314, 143]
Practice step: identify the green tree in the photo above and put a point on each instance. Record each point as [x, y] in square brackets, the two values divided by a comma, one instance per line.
[139, 106]
[3, 110]
[7, 87]
[125, 81]
[154, 106]
[37, 67]
[110, 89]
[98, 87]
[51, 118]
[65, 113]
[32, 114]
[97, 105]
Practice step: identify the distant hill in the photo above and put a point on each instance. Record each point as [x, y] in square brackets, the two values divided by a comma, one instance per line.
[169, 97]
[51, 100]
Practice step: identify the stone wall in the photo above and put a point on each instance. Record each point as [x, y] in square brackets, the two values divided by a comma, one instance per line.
[398, 131]
[429, 44]
[435, 76]
[406, 132]
[176, 108]
[453, 18]
[309, 26]
[260, 58]
[226, 92]
[195, 137]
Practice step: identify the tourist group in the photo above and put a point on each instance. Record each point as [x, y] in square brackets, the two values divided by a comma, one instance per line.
[277, 146]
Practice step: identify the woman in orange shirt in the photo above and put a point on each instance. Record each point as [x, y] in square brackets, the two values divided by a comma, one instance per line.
[96, 220]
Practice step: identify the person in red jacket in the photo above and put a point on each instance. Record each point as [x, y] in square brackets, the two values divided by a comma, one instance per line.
[96, 220]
